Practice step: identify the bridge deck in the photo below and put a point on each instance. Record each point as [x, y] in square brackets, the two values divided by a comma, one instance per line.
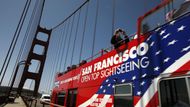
[18, 103]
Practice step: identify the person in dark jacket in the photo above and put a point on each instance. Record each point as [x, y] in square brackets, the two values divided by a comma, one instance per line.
[117, 40]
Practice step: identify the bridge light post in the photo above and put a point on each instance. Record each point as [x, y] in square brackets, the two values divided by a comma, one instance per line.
[15, 74]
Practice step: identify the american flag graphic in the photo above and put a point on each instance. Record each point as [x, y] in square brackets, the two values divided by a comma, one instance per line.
[168, 52]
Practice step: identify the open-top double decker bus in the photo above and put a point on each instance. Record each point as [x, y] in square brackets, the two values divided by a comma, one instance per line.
[150, 71]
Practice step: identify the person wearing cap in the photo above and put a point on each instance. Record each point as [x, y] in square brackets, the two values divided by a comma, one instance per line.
[117, 40]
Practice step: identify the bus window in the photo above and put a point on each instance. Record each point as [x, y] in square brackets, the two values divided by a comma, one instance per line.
[123, 95]
[174, 93]
[61, 98]
[72, 98]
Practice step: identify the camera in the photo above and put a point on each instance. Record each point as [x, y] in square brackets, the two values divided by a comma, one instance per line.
[120, 30]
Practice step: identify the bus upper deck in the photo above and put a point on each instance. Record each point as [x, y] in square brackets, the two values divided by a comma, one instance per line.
[149, 71]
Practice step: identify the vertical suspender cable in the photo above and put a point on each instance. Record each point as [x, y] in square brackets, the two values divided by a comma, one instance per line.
[53, 71]
[172, 4]
[64, 49]
[53, 64]
[64, 45]
[168, 7]
[14, 40]
[85, 20]
[67, 33]
[69, 41]
[59, 52]
[167, 11]
[75, 36]
[94, 34]
[113, 17]
[57, 55]
[63, 41]
[164, 10]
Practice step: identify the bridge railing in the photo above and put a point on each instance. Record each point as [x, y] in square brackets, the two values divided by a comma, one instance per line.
[51, 104]
[34, 102]
[29, 101]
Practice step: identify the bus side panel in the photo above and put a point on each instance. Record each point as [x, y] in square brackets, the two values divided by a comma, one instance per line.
[53, 97]
[154, 102]
[88, 96]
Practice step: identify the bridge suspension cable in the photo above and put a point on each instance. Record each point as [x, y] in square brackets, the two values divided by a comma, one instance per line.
[71, 14]
[53, 63]
[67, 33]
[23, 48]
[94, 33]
[83, 33]
[62, 48]
[24, 41]
[69, 41]
[113, 16]
[65, 28]
[14, 40]
[77, 28]
[68, 26]
[59, 51]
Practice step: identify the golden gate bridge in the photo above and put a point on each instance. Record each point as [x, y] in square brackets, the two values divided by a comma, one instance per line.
[57, 49]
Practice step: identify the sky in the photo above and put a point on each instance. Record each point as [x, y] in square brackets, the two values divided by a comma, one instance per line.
[55, 11]
[10, 14]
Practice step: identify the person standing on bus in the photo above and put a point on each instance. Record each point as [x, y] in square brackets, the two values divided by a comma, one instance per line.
[117, 40]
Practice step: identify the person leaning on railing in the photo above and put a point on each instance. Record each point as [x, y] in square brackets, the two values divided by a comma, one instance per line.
[117, 40]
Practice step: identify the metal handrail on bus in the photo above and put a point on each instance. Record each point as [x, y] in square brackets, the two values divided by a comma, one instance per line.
[100, 53]
[109, 48]
[164, 3]
[141, 18]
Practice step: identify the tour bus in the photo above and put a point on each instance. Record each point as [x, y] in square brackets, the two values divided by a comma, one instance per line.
[152, 70]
